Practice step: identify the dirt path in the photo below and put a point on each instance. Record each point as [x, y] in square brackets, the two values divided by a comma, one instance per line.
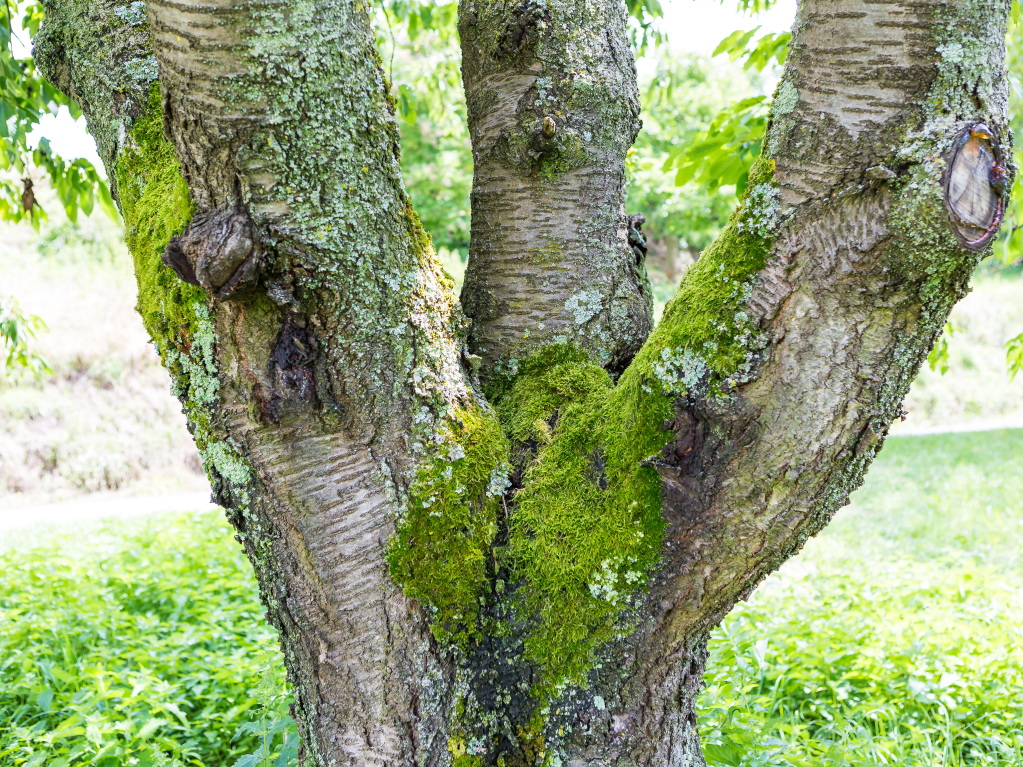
[95, 507]
[119, 506]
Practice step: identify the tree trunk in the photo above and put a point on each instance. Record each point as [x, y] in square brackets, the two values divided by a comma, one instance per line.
[528, 579]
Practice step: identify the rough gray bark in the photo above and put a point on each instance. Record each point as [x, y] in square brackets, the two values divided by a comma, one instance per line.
[862, 272]
[327, 382]
[316, 346]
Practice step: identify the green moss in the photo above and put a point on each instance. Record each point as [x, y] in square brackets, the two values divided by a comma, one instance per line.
[442, 547]
[155, 203]
[460, 757]
[156, 206]
[586, 529]
[706, 338]
[581, 536]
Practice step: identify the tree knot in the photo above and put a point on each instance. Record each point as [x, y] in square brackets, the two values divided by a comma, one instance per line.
[218, 252]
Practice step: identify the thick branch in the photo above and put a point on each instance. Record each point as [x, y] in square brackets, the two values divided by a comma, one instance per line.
[319, 362]
[553, 107]
[862, 269]
[833, 281]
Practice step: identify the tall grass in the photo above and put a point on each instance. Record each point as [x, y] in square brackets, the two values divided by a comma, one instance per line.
[140, 643]
[896, 637]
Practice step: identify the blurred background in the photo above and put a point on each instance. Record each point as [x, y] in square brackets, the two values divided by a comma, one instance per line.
[131, 629]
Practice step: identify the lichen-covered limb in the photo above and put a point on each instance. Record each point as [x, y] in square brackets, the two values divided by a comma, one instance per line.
[860, 271]
[315, 398]
[553, 107]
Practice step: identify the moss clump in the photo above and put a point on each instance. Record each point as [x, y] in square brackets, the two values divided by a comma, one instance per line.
[442, 547]
[586, 529]
[706, 336]
[587, 526]
[156, 206]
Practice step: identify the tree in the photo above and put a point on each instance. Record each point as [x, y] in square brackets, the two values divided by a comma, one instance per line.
[498, 532]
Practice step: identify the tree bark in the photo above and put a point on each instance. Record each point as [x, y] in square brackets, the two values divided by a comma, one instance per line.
[528, 580]
[313, 397]
[553, 107]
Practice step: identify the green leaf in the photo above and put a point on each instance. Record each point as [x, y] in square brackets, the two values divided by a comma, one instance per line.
[737, 39]
[151, 725]
[726, 753]
[1014, 355]
[937, 358]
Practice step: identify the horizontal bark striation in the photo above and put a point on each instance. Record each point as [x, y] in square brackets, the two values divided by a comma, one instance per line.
[338, 375]
[553, 107]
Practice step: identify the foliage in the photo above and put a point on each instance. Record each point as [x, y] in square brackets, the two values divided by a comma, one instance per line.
[421, 59]
[773, 46]
[894, 639]
[140, 641]
[723, 153]
[1014, 355]
[273, 722]
[937, 359]
[17, 329]
[25, 97]
[681, 95]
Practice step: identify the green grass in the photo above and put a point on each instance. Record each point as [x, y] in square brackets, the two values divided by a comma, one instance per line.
[140, 643]
[895, 638]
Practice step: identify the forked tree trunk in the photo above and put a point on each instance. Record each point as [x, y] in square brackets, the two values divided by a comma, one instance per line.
[528, 579]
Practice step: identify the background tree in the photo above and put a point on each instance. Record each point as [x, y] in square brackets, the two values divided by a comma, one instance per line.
[563, 544]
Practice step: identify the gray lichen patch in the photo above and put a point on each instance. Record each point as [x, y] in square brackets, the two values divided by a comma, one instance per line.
[110, 83]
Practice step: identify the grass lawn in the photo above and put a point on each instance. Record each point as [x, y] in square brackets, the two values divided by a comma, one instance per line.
[894, 638]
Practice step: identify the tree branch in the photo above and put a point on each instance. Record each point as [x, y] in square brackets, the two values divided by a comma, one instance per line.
[553, 107]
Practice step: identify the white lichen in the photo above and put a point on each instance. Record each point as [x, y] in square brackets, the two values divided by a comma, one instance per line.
[584, 305]
[679, 371]
[786, 99]
[763, 210]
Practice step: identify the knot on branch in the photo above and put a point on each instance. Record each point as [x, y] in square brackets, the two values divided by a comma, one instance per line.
[975, 185]
[218, 252]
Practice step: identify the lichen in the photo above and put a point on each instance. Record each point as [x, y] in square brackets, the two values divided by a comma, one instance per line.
[786, 99]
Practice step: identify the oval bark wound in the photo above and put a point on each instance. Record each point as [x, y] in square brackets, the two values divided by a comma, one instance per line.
[972, 187]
